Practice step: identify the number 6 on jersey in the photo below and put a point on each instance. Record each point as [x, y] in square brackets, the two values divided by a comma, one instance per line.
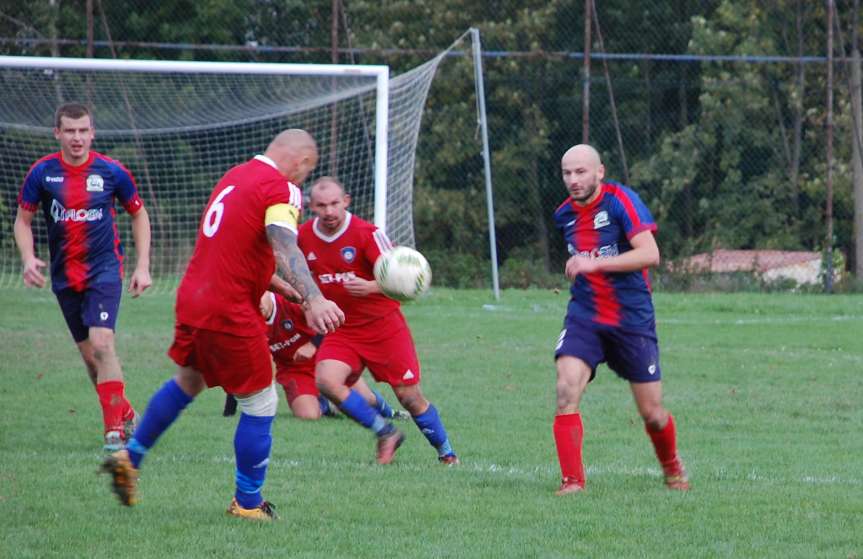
[213, 217]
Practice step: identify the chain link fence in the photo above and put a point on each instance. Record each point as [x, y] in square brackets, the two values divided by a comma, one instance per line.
[713, 111]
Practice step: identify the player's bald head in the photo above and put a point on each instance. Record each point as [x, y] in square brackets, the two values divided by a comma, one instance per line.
[328, 184]
[295, 153]
[293, 139]
[584, 154]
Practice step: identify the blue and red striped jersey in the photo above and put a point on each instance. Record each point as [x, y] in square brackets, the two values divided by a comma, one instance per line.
[603, 229]
[78, 203]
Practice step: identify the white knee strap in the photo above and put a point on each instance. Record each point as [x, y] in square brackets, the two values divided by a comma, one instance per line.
[260, 404]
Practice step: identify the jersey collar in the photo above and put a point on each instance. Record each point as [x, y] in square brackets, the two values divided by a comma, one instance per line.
[330, 238]
[267, 160]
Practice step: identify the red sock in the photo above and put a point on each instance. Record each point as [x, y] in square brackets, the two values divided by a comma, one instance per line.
[665, 443]
[568, 435]
[115, 407]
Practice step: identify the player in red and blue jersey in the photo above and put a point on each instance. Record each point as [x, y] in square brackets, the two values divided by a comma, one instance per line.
[341, 250]
[76, 188]
[610, 318]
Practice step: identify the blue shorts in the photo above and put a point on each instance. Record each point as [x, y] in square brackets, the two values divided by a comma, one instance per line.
[97, 306]
[632, 354]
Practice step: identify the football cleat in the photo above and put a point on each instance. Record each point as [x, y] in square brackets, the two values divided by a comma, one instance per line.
[569, 486]
[114, 441]
[130, 425]
[400, 414]
[124, 477]
[675, 476]
[230, 406]
[388, 444]
[265, 511]
[449, 460]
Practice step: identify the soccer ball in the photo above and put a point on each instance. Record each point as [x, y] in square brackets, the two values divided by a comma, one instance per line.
[403, 273]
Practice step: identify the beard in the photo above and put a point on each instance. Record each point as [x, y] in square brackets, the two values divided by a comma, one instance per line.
[586, 196]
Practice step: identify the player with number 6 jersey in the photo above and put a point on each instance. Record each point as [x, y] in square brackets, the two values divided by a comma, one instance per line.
[228, 273]
[249, 224]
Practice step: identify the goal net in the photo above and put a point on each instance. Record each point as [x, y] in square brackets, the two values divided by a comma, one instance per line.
[178, 126]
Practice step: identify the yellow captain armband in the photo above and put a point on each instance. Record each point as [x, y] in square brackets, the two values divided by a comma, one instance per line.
[283, 215]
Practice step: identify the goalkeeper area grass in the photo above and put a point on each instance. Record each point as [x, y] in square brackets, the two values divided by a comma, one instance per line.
[766, 390]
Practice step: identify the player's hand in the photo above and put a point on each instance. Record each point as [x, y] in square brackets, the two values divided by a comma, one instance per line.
[305, 352]
[140, 281]
[359, 287]
[580, 265]
[323, 315]
[33, 276]
[285, 289]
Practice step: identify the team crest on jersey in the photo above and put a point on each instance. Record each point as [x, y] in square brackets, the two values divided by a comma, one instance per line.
[349, 254]
[95, 183]
[600, 220]
[287, 324]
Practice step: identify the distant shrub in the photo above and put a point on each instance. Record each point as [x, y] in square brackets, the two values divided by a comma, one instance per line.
[459, 270]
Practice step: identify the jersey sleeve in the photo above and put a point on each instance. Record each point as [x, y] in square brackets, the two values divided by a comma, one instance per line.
[633, 213]
[126, 189]
[377, 244]
[284, 203]
[31, 190]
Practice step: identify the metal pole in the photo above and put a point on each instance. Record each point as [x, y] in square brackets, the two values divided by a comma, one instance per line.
[585, 77]
[828, 278]
[486, 157]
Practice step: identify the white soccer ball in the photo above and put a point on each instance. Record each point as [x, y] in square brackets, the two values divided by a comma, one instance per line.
[403, 273]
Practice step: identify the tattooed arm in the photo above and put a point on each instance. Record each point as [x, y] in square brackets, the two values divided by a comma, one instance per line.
[322, 314]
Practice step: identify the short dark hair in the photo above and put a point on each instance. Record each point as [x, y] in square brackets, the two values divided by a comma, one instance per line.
[72, 110]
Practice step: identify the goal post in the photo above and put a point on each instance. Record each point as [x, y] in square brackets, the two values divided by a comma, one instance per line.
[179, 125]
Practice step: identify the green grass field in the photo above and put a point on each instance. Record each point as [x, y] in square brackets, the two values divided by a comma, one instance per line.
[767, 391]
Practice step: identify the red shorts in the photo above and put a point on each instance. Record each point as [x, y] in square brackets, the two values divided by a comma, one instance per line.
[384, 346]
[240, 365]
[298, 379]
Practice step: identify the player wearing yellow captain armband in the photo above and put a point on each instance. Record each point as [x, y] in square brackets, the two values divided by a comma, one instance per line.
[249, 227]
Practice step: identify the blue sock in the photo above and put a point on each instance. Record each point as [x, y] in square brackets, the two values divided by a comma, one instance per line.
[381, 405]
[326, 407]
[164, 407]
[356, 407]
[430, 425]
[252, 442]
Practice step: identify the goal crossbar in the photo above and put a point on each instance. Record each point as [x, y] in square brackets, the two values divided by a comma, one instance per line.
[379, 72]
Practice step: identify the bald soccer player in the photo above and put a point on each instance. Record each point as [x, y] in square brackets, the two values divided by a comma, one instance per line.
[610, 318]
[248, 230]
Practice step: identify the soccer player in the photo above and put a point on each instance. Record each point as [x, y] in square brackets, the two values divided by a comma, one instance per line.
[610, 318]
[248, 228]
[293, 345]
[341, 250]
[76, 188]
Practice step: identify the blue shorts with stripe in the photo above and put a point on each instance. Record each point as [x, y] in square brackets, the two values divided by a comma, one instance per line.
[632, 354]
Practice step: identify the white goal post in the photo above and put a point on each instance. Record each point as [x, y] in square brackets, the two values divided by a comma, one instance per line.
[179, 125]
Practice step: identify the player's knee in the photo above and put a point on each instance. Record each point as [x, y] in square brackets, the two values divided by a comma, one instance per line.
[306, 413]
[102, 342]
[655, 418]
[412, 399]
[260, 404]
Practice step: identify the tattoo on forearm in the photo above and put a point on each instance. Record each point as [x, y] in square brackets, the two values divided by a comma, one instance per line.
[290, 261]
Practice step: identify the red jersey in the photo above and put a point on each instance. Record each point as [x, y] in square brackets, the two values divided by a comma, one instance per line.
[349, 252]
[233, 262]
[287, 331]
